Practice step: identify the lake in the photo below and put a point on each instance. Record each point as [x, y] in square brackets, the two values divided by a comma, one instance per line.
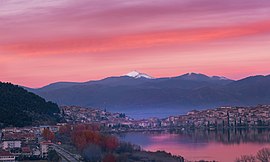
[223, 146]
[147, 112]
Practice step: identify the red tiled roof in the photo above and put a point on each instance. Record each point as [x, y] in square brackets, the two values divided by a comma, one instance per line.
[45, 143]
[26, 150]
[18, 136]
[5, 153]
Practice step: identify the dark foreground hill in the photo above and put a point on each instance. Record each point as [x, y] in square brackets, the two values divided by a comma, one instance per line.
[144, 94]
[21, 108]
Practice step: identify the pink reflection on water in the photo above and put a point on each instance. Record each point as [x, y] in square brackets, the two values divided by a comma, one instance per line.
[201, 150]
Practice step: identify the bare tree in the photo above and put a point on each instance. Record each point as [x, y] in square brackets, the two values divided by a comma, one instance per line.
[264, 155]
[246, 158]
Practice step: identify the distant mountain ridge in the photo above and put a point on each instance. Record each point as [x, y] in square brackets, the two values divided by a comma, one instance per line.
[129, 78]
[139, 91]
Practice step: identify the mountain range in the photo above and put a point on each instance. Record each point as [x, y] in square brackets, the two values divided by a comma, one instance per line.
[137, 91]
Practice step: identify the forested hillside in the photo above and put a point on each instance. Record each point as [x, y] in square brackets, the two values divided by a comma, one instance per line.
[19, 107]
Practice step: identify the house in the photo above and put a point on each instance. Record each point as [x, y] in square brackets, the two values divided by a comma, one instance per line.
[11, 144]
[43, 127]
[10, 129]
[36, 152]
[51, 128]
[6, 157]
[26, 151]
[19, 136]
[44, 148]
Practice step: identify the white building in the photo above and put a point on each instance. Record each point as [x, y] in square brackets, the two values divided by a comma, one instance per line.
[11, 144]
[6, 157]
[44, 148]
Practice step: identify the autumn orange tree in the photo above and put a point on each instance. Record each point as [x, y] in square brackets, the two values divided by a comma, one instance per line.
[81, 127]
[83, 135]
[47, 134]
[110, 143]
[66, 129]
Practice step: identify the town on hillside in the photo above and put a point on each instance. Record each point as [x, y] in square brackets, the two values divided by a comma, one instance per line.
[36, 142]
[222, 117]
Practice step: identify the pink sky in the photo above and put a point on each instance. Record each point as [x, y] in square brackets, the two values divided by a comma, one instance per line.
[44, 41]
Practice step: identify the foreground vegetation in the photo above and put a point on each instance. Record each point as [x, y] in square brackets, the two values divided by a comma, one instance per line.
[262, 155]
[95, 146]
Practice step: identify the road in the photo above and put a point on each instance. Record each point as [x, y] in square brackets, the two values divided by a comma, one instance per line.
[66, 156]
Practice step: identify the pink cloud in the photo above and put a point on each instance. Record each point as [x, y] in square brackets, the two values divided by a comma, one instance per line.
[113, 37]
[138, 40]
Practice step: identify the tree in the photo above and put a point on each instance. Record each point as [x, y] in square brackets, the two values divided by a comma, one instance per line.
[264, 155]
[82, 138]
[246, 158]
[109, 158]
[110, 143]
[53, 156]
[92, 153]
[20, 108]
[66, 129]
[125, 147]
[47, 134]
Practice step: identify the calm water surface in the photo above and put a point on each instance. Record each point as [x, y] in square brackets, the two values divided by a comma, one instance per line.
[224, 146]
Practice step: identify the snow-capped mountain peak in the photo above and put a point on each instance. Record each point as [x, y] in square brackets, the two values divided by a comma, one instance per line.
[136, 74]
[219, 78]
[200, 76]
[192, 73]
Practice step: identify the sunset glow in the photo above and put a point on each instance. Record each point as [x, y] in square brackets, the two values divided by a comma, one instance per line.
[44, 41]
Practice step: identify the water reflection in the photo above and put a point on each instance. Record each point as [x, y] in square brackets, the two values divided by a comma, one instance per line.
[224, 145]
[234, 136]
